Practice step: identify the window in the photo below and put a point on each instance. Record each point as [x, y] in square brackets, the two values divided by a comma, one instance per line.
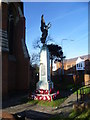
[81, 64]
[77, 65]
[68, 66]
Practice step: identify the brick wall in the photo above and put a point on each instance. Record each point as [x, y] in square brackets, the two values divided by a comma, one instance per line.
[11, 74]
[4, 74]
[4, 16]
[87, 79]
[22, 68]
[15, 66]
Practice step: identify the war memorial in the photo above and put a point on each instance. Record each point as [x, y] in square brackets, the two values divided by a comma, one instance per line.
[44, 87]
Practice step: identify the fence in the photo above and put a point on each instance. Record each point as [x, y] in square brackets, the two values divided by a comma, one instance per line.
[84, 92]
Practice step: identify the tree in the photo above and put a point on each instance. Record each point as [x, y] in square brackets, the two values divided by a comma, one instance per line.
[55, 53]
[34, 66]
[34, 59]
[55, 50]
[37, 43]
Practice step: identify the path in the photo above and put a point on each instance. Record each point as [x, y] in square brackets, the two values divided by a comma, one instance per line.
[34, 112]
[66, 107]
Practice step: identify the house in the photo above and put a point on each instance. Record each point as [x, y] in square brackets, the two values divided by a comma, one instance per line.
[80, 64]
[76, 66]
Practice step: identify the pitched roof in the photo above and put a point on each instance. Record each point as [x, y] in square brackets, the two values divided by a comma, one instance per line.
[85, 57]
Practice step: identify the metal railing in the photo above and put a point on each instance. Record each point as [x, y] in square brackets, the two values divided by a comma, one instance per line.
[84, 92]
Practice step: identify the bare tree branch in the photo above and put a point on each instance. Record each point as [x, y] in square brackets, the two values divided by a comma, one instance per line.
[34, 59]
[37, 43]
[49, 39]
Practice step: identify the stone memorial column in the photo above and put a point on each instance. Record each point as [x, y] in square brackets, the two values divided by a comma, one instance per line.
[45, 82]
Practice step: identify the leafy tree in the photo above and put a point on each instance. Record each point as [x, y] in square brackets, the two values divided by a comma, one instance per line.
[36, 67]
[55, 54]
[34, 77]
[55, 50]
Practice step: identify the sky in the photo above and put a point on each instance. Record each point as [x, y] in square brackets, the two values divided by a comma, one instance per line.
[69, 25]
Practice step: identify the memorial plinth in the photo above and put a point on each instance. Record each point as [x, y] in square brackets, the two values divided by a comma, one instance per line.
[44, 87]
[45, 82]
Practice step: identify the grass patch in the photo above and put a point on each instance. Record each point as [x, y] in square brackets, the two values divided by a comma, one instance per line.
[54, 103]
[58, 117]
[86, 90]
[84, 115]
[74, 115]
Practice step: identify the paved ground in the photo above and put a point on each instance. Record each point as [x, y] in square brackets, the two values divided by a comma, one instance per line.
[36, 112]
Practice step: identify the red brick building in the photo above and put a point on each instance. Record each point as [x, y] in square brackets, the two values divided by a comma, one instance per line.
[70, 66]
[15, 57]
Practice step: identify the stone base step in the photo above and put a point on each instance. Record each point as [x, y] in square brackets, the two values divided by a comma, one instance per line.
[45, 97]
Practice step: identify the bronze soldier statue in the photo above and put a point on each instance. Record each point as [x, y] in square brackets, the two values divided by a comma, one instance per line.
[44, 29]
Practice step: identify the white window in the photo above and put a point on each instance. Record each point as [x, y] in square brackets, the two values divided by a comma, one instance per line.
[80, 64]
